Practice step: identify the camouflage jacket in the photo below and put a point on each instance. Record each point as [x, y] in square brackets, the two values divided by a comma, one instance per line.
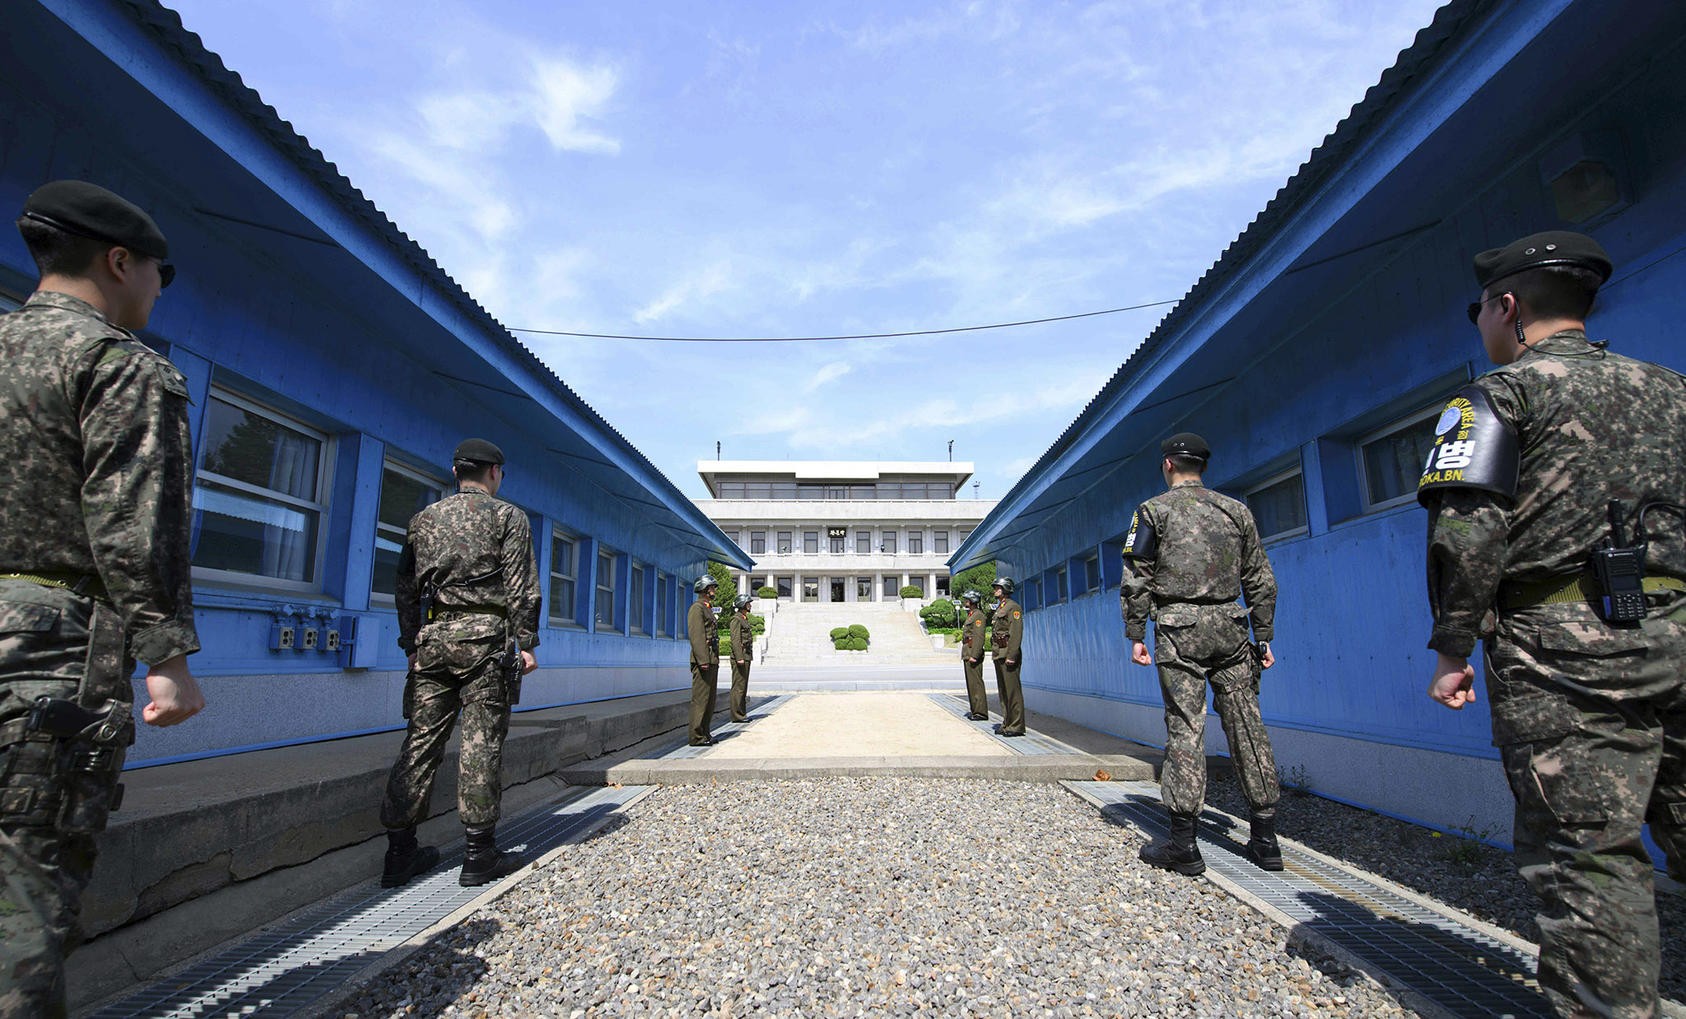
[1591, 426]
[475, 554]
[1006, 630]
[96, 466]
[703, 630]
[1208, 553]
[743, 637]
[972, 637]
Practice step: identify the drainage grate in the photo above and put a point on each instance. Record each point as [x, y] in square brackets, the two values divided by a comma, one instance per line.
[289, 967]
[1434, 953]
[1031, 743]
[683, 749]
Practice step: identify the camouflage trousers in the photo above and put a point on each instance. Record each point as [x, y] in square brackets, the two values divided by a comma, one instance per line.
[60, 645]
[473, 685]
[977, 701]
[704, 680]
[1193, 646]
[1590, 721]
[740, 690]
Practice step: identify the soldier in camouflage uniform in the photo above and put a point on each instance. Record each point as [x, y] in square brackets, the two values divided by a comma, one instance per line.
[1007, 639]
[703, 631]
[470, 558]
[95, 469]
[973, 641]
[1189, 554]
[1589, 715]
[742, 632]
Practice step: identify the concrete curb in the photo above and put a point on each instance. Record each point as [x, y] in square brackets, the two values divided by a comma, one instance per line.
[692, 771]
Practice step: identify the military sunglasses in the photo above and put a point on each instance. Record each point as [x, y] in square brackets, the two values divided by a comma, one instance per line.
[1475, 306]
[166, 271]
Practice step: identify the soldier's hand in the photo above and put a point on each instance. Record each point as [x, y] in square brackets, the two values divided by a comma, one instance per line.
[528, 662]
[174, 692]
[1454, 682]
[1267, 659]
[1139, 653]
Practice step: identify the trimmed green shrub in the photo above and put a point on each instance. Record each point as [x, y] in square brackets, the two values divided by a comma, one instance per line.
[948, 631]
[857, 630]
[839, 631]
[728, 592]
[757, 624]
[856, 643]
[912, 592]
[767, 592]
[980, 578]
[939, 613]
[725, 645]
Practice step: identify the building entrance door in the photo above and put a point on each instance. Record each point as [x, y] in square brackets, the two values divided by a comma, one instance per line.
[863, 588]
[837, 589]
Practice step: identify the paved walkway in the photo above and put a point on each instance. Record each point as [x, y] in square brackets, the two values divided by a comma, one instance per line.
[860, 725]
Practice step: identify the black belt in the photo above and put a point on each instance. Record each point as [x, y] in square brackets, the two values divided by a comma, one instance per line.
[88, 585]
[465, 610]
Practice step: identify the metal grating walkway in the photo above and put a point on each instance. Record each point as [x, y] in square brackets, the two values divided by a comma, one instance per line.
[1032, 742]
[1433, 952]
[292, 965]
[683, 748]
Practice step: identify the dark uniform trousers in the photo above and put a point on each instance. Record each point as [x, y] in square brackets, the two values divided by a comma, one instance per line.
[1211, 645]
[57, 644]
[1012, 694]
[740, 690]
[465, 677]
[1589, 763]
[977, 700]
[704, 679]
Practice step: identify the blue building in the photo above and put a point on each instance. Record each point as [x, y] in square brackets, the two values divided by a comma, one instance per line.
[1314, 356]
[334, 366]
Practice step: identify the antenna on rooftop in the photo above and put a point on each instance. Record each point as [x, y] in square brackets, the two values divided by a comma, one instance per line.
[951, 451]
[975, 485]
[717, 450]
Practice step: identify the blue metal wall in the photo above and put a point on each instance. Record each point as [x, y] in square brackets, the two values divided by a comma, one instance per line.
[287, 299]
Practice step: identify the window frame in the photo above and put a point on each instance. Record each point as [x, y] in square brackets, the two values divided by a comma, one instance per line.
[1277, 479]
[636, 585]
[597, 580]
[571, 620]
[324, 487]
[415, 474]
[1399, 424]
[916, 536]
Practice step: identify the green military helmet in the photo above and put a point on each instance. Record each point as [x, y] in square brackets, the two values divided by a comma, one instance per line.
[972, 596]
[1005, 584]
[705, 582]
[743, 601]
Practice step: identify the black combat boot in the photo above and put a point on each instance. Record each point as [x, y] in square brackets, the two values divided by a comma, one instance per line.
[1179, 852]
[405, 859]
[482, 862]
[1262, 848]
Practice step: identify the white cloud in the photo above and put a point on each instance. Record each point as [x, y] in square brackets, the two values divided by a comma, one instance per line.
[827, 373]
[705, 283]
[565, 94]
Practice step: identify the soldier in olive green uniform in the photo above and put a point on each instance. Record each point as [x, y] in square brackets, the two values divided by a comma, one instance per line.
[1587, 685]
[743, 652]
[95, 470]
[470, 557]
[1189, 554]
[973, 642]
[1007, 638]
[703, 630]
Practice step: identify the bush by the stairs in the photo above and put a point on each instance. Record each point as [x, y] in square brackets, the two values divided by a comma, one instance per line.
[938, 613]
[912, 592]
[947, 631]
[857, 630]
[838, 631]
[757, 624]
[850, 644]
[767, 592]
[850, 638]
[725, 646]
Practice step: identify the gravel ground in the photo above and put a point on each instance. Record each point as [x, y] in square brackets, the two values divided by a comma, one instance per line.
[865, 897]
[1468, 875]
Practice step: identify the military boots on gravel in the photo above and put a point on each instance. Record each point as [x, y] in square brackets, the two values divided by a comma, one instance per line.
[405, 859]
[1179, 852]
[482, 862]
[1262, 847]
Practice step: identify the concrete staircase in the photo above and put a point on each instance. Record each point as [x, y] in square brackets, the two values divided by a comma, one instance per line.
[800, 634]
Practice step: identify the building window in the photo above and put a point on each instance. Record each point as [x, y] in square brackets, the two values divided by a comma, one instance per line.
[1092, 573]
[837, 543]
[892, 588]
[762, 490]
[942, 587]
[1392, 460]
[810, 491]
[915, 542]
[917, 582]
[730, 489]
[1278, 506]
[564, 569]
[404, 493]
[256, 501]
[757, 542]
[939, 542]
[635, 599]
[783, 586]
[662, 627]
[863, 542]
[863, 588]
[784, 490]
[605, 589]
[890, 542]
[811, 542]
[736, 536]
[784, 543]
[810, 589]
[1062, 584]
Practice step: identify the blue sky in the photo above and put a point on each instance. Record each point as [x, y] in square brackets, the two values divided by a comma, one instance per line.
[790, 168]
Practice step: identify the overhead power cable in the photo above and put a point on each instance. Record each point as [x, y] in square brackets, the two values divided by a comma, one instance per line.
[851, 336]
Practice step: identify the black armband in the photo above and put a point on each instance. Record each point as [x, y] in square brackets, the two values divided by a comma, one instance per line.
[1473, 448]
[1143, 541]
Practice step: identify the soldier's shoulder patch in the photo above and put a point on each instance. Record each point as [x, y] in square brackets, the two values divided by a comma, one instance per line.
[1015, 615]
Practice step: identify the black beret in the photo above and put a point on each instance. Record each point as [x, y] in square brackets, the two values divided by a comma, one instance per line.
[91, 211]
[479, 451]
[1553, 247]
[1186, 444]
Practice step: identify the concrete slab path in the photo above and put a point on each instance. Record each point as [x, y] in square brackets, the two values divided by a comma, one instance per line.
[859, 725]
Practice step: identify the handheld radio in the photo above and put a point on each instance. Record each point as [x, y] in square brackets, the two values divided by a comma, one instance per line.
[1620, 572]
